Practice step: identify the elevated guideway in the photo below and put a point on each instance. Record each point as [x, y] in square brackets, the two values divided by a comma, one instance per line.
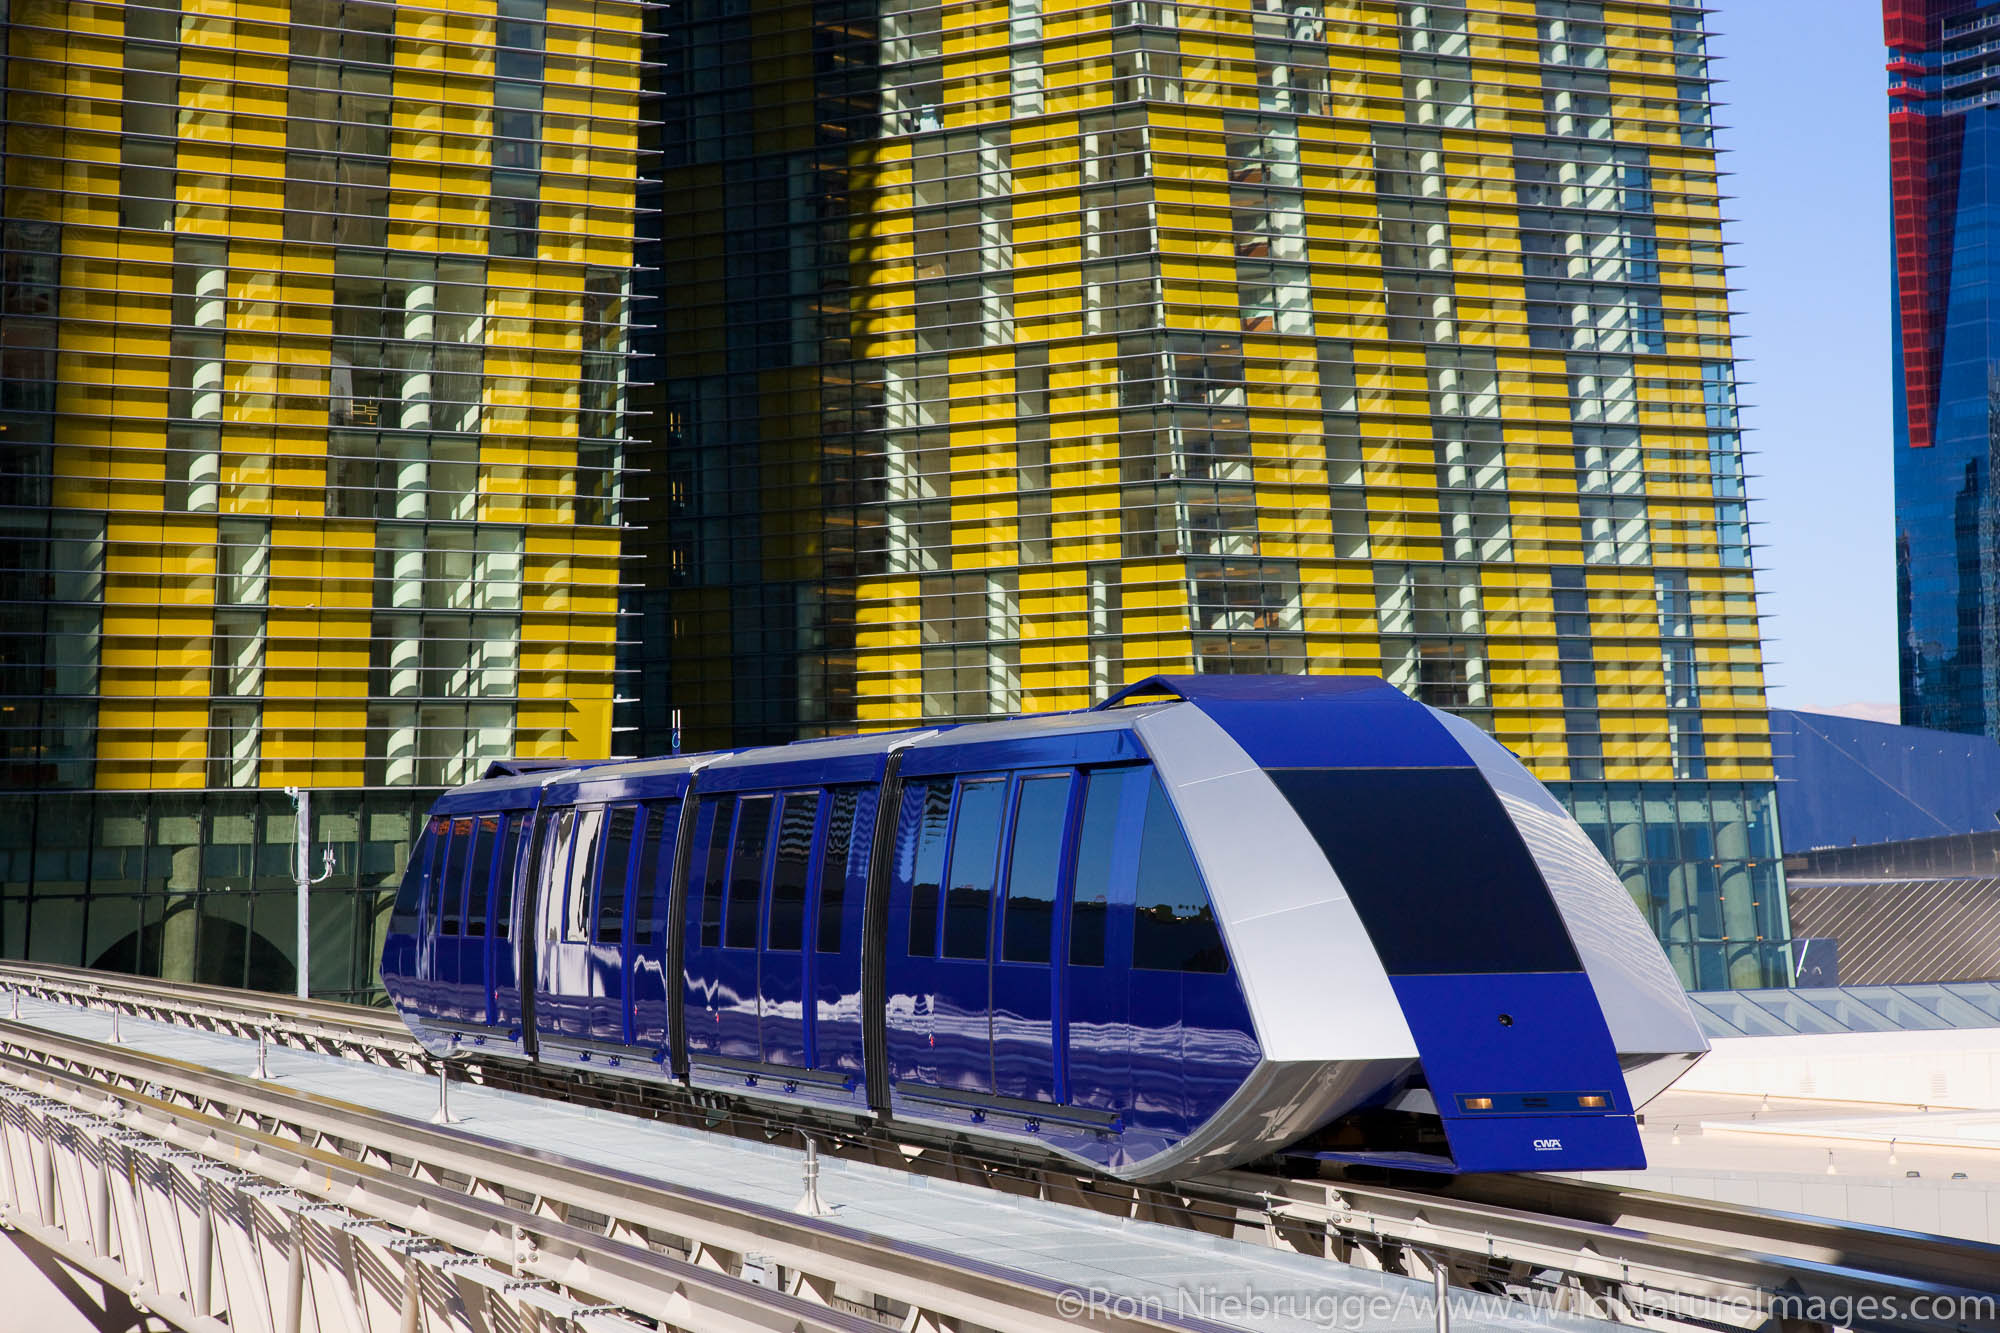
[322, 1198]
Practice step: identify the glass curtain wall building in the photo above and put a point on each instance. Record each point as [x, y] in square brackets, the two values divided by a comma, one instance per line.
[1944, 83]
[316, 323]
[1024, 349]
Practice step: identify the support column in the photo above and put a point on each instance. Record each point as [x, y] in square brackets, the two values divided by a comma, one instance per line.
[211, 311]
[419, 328]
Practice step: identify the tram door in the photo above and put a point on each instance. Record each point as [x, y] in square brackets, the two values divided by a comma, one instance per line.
[547, 866]
[838, 911]
[922, 826]
[1097, 1008]
[1023, 979]
[707, 882]
[962, 977]
[474, 957]
[604, 945]
[448, 976]
[646, 954]
[734, 1002]
[562, 948]
[784, 1027]
[504, 980]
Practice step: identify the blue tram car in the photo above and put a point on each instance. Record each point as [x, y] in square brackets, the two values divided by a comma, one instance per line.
[1212, 919]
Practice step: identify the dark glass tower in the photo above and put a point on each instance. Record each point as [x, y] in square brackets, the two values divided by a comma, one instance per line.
[1944, 89]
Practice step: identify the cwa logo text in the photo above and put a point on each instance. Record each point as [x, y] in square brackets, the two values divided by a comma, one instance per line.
[1548, 1145]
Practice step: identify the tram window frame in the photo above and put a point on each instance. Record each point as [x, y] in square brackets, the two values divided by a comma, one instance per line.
[1027, 935]
[831, 900]
[511, 872]
[711, 864]
[1096, 856]
[552, 875]
[968, 902]
[610, 900]
[585, 851]
[785, 920]
[413, 894]
[1179, 941]
[434, 873]
[741, 918]
[930, 835]
[486, 837]
[451, 895]
[662, 823]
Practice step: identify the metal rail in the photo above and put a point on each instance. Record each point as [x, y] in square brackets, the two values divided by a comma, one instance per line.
[1604, 1250]
[1634, 1256]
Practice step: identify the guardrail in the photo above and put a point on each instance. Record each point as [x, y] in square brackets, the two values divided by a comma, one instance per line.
[1603, 1250]
[349, 1030]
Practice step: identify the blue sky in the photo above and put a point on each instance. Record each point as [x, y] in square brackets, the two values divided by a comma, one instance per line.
[1805, 134]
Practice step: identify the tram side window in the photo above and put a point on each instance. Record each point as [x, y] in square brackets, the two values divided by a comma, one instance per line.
[582, 863]
[975, 855]
[1096, 847]
[479, 889]
[434, 872]
[451, 894]
[510, 871]
[1033, 867]
[655, 867]
[920, 857]
[619, 832]
[553, 868]
[746, 872]
[786, 930]
[833, 867]
[407, 915]
[1173, 928]
[709, 872]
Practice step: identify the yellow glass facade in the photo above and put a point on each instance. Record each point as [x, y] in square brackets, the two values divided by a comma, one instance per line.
[1024, 348]
[317, 318]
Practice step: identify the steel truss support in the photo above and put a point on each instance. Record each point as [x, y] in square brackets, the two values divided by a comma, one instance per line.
[234, 1203]
[213, 1249]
